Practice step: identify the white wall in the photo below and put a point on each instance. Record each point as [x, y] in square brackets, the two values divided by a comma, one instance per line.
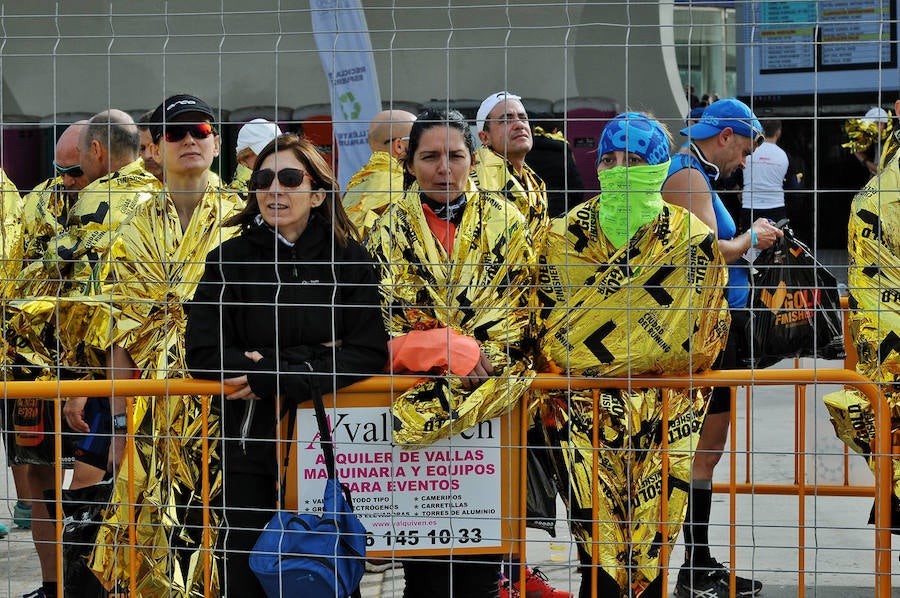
[89, 56]
[626, 52]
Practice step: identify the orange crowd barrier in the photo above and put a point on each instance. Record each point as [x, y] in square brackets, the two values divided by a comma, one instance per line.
[58, 390]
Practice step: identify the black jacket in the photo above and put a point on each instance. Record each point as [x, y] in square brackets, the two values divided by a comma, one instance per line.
[260, 294]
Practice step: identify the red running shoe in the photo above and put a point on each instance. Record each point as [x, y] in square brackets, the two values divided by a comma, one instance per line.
[507, 590]
[536, 586]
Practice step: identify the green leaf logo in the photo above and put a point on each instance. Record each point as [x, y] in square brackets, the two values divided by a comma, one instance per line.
[350, 108]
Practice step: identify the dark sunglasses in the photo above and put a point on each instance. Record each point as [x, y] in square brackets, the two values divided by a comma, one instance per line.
[175, 133]
[287, 177]
[73, 171]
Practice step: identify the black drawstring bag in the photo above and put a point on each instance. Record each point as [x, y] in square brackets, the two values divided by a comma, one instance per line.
[795, 306]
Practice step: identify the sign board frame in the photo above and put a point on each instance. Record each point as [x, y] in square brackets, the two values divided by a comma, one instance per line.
[510, 489]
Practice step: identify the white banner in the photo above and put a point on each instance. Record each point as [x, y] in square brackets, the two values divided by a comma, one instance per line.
[342, 37]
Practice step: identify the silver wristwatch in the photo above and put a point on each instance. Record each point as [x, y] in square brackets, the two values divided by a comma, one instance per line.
[120, 423]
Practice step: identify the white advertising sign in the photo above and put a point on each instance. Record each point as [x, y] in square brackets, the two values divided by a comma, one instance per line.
[445, 496]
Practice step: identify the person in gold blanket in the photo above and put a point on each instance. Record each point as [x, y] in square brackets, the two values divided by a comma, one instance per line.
[46, 207]
[251, 139]
[43, 215]
[630, 286]
[107, 147]
[376, 185]
[138, 320]
[10, 264]
[65, 242]
[873, 279]
[457, 269]
[505, 134]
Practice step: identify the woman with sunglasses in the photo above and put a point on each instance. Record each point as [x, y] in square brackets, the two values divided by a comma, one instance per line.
[156, 261]
[288, 308]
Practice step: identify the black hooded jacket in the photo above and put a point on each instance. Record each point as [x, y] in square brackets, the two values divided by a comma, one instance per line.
[258, 293]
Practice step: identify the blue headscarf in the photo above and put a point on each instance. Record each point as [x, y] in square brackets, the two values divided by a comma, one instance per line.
[630, 196]
[635, 133]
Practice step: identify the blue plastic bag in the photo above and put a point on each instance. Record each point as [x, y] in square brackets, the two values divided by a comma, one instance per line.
[316, 556]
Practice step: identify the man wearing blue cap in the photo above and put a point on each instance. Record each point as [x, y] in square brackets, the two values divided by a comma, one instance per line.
[720, 142]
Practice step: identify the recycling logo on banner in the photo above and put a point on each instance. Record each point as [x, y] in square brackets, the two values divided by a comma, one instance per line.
[350, 108]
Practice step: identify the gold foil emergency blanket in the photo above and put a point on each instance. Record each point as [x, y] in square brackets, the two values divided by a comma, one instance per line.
[891, 145]
[372, 189]
[853, 418]
[539, 131]
[11, 243]
[629, 482]
[241, 179]
[68, 261]
[493, 173]
[482, 290]
[863, 133]
[45, 338]
[874, 282]
[154, 272]
[71, 261]
[44, 215]
[654, 306]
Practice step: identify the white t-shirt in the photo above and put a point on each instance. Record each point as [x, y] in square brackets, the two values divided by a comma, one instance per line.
[764, 178]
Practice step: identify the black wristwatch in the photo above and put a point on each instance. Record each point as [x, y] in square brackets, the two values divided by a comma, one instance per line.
[120, 423]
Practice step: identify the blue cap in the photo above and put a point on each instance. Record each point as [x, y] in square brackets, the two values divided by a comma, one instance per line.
[723, 114]
[694, 114]
[635, 133]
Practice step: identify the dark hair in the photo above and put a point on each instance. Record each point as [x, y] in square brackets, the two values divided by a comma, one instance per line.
[144, 120]
[771, 126]
[331, 209]
[430, 118]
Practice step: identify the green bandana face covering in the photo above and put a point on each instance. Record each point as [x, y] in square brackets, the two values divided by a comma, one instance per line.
[629, 199]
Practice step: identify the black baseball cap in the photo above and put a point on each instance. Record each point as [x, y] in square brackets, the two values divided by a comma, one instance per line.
[175, 106]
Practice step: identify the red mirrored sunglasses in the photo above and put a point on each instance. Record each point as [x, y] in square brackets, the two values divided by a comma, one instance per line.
[175, 133]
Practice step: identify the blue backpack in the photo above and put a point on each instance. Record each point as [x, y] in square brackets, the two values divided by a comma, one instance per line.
[312, 555]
